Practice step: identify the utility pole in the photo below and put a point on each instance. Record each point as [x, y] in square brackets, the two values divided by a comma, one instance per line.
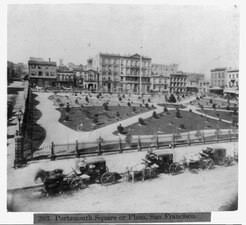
[140, 72]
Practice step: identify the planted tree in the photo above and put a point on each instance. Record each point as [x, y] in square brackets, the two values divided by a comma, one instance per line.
[141, 121]
[154, 115]
[129, 104]
[86, 99]
[172, 99]
[178, 114]
[67, 108]
[120, 129]
[117, 114]
[165, 110]
[128, 139]
[134, 109]
[147, 105]
[182, 127]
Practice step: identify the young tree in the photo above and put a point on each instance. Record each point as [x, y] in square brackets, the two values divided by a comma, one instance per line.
[67, 108]
[178, 114]
[172, 99]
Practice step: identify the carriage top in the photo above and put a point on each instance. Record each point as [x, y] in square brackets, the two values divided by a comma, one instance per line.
[163, 153]
[96, 159]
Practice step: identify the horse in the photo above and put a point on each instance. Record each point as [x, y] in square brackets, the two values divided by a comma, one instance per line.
[142, 170]
[53, 180]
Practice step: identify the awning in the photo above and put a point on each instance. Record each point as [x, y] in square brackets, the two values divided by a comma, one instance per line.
[215, 88]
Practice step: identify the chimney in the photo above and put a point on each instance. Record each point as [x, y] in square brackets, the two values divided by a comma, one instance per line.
[49, 59]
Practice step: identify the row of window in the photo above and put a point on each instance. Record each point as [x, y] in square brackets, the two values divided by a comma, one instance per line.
[40, 67]
[218, 75]
[124, 62]
[233, 75]
[40, 73]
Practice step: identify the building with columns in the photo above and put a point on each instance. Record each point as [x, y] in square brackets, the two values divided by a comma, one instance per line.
[178, 83]
[119, 73]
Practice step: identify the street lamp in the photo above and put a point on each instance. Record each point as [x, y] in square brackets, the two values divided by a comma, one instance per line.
[19, 115]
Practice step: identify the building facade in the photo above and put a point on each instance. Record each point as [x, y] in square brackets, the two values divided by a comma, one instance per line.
[195, 82]
[42, 73]
[232, 82]
[65, 78]
[218, 77]
[178, 83]
[165, 70]
[119, 73]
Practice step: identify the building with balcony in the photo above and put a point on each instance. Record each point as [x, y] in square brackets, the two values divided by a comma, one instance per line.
[42, 73]
[118, 73]
[178, 83]
[232, 82]
[86, 79]
[65, 78]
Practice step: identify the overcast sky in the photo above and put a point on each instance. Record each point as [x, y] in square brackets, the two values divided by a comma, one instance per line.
[197, 38]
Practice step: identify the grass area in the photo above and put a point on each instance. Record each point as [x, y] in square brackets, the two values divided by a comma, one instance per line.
[169, 105]
[86, 116]
[168, 124]
[225, 115]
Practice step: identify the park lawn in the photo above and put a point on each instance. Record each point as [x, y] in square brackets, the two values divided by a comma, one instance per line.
[85, 116]
[168, 124]
[220, 104]
[225, 115]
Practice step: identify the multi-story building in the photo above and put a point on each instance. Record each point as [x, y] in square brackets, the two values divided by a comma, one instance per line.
[178, 83]
[64, 78]
[159, 83]
[165, 70]
[218, 77]
[42, 73]
[232, 82]
[194, 82]
[232, 79]
[122, 73]
[160, 74]
[87, 79]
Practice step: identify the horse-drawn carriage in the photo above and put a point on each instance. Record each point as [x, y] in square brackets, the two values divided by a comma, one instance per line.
[218, 156]
[165, 162]
[56, 181]
[97, 170]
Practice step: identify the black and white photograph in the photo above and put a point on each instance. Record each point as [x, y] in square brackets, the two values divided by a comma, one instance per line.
[122, 108]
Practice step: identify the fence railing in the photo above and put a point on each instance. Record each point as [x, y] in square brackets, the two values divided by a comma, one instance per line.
[134, 143]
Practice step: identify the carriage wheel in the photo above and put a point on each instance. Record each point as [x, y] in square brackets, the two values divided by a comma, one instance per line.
[209, 164]
[107, 178]
[174, 168]
[76, 183]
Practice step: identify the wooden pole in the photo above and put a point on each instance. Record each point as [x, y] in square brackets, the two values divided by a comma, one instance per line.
[52, 158]
[120, 145]
[139, 144]
[77, 149]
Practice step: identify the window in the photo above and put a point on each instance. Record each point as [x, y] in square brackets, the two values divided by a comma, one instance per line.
[52, 74]
[33, 74]
[237, 75]
[39, 66]
[233, 75]
[40, 73]
[47, 74]
[230, 76]
[33, 66]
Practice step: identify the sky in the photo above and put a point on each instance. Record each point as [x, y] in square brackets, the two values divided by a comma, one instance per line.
[196, 37]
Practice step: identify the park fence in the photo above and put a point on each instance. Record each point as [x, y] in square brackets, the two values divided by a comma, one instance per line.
[134, 143]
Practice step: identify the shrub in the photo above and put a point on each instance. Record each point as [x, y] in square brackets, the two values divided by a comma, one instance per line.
[182, 127]
[105, 106]
[165, 110]
[141, 105]
[148, 99]
[197, 98]
[67, 108]
[153, 107]
[141, 121]
[66, 118]
[214, 106]
[134, 109]
[118, 114]
[147, 105]
[154, 115]
[178, 114]
[120, 129]
[172, 99]
[123, 96]
[61, 105]
[129, 104]
[210, 101]
[87, 99]
[120, 99]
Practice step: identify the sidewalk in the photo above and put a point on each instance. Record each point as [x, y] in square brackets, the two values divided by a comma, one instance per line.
[24, 177]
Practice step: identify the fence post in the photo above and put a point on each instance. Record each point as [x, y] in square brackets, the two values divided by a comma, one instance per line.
[99, 148]
[203, 137]
[172, 145]
[230, 135]
[188, 138]
[217, 135]
[52, 158]
[76, 149]
[120, 145]
[157, 142]
[139, 144]
[19, 157]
